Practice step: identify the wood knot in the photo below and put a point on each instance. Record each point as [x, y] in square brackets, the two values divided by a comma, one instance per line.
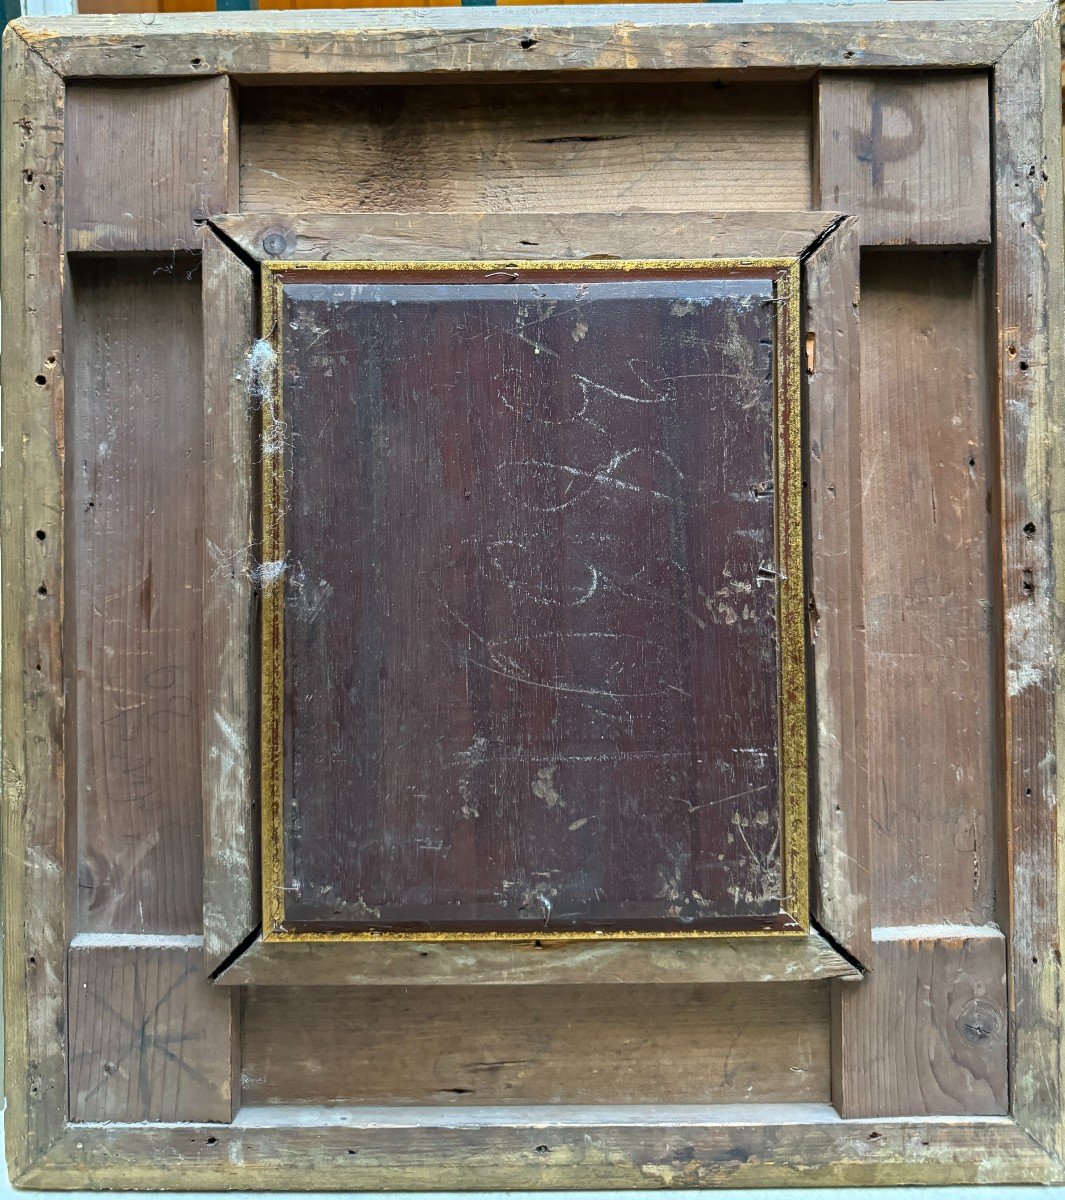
[979, 1023]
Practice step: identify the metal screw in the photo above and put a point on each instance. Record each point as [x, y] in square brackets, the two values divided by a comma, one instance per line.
[274, 244]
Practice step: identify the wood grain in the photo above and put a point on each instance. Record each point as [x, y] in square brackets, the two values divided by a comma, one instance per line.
[136, 440]
[547, 148]
[841, 831]
[540, 689]
[548, 1146]
[147, 166]
[230, 664]
[926, 1031]
[545, 1045]
[411, 963]
[435, 237]
[929, 592]
[150, 1039]
[908, 155]
[1030, 355]
[340, 44]
[32, 501]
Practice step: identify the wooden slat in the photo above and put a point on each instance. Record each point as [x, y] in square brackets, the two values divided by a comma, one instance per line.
[532, 236]
[150, 1038]
[841, 849]
[1030, 357]
[136, 524]
[908, 155]
[544, 1045]
[929, 593]
[925, 1033]
[35, 883]
[406, 964]
[700, 38]
[556, 1146]
[542, 148]
[146, 166]
[230, 783]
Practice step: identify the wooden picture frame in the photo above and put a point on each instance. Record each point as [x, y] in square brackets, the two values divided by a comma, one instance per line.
[128, 1060]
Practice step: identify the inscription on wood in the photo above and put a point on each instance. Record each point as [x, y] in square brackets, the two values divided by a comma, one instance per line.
[531, 645]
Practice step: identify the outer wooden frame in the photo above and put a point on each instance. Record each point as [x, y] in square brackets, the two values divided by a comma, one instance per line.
[1018, 44]
[259, 948]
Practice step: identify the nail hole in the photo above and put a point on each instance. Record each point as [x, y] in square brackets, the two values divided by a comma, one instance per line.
[527, 43]
[42, 590]
[1023, 365]
[40, 380]
[1029, 530]
[41, 535]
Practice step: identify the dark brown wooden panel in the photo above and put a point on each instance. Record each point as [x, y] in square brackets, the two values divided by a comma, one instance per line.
[542, 1045]
[146, 166]
[150, 1039]
[531, 641]
[136, 505]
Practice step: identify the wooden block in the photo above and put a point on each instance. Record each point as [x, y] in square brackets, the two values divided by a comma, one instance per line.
[145, 167]
[230, 750]
[929, 587]
[150, 1038]
[754, 1043]
[909, 155]
[841, 837]
[135, 516]
[925, 1033]
[542, 148]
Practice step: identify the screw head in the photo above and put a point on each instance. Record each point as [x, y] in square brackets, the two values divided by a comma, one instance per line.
[275, 244]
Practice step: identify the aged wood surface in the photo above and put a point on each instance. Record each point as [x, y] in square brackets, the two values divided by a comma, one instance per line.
[145, 166]
[444, 236]
[545, 148]
[405, 964]
[840, 787]
[757, 1043]
[926, 1032]
[150, 1039]
[434, 42]
[35, 830]
[1030, 358]
[541, 689]
[929, 592]
[136, 526]
[908, 155]
[230, 683]
[554, 1146]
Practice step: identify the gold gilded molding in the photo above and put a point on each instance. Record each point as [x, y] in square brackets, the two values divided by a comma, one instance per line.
[788, 502]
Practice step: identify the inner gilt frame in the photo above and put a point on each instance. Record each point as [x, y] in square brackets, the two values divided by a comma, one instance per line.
[793, 781]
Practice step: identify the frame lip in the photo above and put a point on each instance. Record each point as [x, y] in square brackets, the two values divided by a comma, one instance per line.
[793, 919]
[38, 1155]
